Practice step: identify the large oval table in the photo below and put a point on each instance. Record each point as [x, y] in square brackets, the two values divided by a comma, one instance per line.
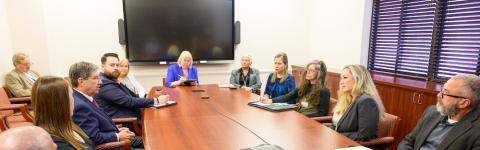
[222, 120]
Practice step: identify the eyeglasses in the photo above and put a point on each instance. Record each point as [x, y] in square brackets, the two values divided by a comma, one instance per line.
[27, 64]
[454, 96]
[92, 78]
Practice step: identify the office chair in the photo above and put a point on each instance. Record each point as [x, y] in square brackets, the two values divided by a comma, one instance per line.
[326, 120]
[386, 131]
[14, 99]
[13, 114]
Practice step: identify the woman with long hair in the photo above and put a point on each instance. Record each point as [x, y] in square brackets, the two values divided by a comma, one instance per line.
[359, 107]
[312, 95]
[52, 103]
[128, 79]
[280, 82]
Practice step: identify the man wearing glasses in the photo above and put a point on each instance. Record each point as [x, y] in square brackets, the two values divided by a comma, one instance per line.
[455, 121]
[20, 80]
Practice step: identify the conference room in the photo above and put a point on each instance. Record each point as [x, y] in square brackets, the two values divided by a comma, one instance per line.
[414, 53]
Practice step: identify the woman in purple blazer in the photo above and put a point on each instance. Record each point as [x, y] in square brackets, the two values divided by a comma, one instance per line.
[182, 71]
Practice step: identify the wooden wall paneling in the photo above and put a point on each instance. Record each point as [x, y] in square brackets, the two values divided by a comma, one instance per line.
[297, 73]
[423, 101]
[411, 104]
[405, 110]
[333, 81]
[388, 95]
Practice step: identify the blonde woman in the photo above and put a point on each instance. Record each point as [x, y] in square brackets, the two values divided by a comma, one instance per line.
[128, 79]
[280, 82]
[359, 107]
[178, 73]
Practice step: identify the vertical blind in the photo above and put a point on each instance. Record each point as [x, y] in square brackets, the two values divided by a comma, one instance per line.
[425, 38]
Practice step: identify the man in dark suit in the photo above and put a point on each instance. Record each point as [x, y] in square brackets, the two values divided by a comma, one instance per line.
[86, 114]
[115, 98]
[455, 123]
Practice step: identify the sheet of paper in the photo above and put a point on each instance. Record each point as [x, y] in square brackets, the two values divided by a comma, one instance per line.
[224, 85]
[168, 102]
[354, 148]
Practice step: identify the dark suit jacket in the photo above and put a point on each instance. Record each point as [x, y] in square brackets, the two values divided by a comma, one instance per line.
[323, 101]
[118, 101]
[62, 144]
[360, 121]
[464, 135]
[99, 127]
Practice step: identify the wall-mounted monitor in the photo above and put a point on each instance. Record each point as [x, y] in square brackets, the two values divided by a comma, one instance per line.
[158, 30]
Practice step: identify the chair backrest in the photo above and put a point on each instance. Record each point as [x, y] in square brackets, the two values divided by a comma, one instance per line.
[388, 125]
[3, 123]
[9, 93]
[297, 74]
[4, 100]
[332, 104]
[164, 80]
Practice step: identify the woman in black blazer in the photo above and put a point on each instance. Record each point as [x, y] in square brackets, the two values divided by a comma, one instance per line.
[359, 107]
[312, 95]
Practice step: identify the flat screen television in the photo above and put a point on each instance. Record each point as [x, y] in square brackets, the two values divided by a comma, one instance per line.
[157, 31]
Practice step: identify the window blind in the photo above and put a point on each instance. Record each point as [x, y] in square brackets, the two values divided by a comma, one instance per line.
[401, 36]
[459, 39]
[429, 39]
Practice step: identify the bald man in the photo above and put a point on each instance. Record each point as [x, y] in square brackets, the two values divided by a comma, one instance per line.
[26, 138]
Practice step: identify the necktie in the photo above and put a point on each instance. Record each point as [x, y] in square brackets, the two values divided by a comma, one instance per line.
[95, 102]
[31, 76]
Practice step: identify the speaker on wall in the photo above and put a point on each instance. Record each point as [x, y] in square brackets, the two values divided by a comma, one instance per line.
[121, 32]
[237, 32]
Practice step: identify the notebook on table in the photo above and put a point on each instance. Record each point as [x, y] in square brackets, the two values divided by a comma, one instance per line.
[275, 107]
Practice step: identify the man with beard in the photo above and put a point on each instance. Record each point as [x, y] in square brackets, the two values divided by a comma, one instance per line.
[86, 114]
[454, 123]
[115, 98]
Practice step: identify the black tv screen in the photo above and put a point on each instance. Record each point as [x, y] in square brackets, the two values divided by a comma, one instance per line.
[159, 30]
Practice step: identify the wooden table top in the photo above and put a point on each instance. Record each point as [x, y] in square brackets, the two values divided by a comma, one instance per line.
[225, 121]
